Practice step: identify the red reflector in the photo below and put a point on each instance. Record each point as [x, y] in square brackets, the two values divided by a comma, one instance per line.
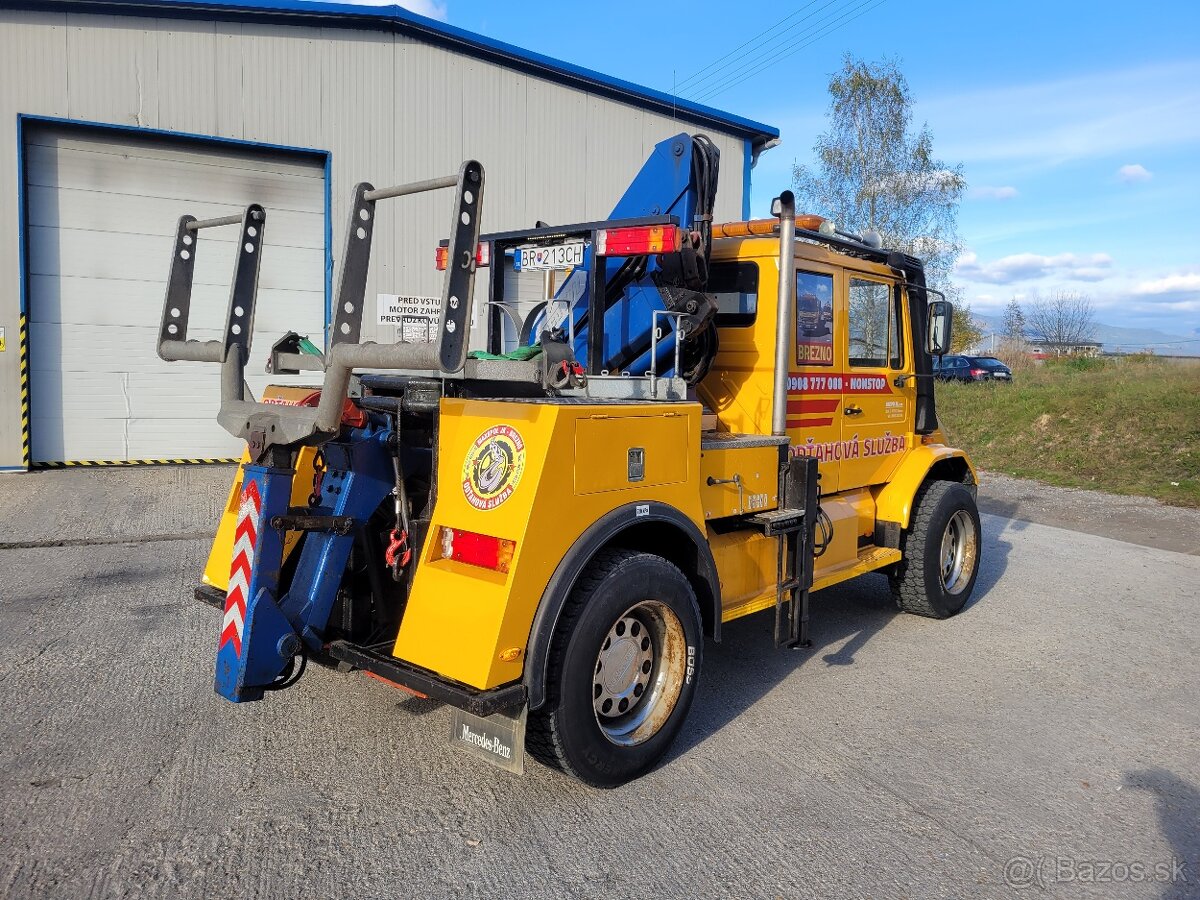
[639, 241]
[483, 256]
[397, 685]
[477, 549]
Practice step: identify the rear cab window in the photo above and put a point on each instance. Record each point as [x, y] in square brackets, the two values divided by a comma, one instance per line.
[735, 285]
[814, 319]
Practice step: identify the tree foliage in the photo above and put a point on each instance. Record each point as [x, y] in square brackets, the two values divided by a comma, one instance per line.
[1014, 322]
[1064, 320]
[967, 331]
[875, 172]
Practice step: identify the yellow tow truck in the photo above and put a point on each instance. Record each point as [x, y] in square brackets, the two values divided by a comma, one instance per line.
[543, 538]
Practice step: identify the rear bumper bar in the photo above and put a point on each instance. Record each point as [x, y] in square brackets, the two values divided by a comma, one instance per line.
[389, 668]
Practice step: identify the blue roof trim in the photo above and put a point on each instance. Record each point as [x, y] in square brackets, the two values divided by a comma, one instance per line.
[395, 18]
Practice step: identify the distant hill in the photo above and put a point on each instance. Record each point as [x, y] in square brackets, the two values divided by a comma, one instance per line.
[1119, 338]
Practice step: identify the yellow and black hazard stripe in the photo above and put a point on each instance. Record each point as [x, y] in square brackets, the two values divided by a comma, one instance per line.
[27, 455]
[99, 463]
[23, 338]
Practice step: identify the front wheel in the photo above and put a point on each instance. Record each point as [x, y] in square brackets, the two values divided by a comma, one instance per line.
[941, 552]
[623, 669]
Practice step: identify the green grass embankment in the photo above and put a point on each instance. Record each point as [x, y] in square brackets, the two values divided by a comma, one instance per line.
[1128, 426]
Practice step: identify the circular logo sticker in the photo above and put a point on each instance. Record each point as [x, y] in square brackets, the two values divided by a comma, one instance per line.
[493, 467]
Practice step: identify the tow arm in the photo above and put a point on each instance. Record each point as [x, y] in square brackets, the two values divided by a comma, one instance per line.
[266, 627]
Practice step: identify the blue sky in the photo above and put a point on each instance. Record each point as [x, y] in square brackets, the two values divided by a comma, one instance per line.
[1077, 124]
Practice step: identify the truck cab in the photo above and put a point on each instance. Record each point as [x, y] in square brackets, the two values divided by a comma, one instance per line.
[851, 396]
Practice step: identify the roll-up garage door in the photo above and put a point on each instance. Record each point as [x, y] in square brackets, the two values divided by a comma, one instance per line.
[101, 210]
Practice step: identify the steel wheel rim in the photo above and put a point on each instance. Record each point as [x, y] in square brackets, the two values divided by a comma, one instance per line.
[959, 549]
[639, 673]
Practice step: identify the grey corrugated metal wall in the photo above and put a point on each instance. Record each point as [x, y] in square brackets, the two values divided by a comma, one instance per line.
[388, 107]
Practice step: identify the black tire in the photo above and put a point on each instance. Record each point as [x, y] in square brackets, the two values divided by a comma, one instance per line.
[627, 608]
[944, 520]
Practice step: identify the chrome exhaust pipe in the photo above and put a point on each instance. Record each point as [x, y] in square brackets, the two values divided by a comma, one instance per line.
[786, 210]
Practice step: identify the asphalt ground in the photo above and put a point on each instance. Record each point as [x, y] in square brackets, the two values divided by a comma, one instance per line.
[1043, 743]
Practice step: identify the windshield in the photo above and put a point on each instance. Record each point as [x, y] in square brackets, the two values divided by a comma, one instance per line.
[988, 362]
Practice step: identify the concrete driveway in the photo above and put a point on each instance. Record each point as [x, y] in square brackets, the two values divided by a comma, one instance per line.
[1045, 742]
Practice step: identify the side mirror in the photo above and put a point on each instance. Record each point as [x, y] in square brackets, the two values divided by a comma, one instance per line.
[939, 328]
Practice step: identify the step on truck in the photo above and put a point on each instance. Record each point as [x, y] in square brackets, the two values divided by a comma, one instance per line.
[702, 421]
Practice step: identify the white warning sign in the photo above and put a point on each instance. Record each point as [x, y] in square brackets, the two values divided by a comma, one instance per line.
[414, 318]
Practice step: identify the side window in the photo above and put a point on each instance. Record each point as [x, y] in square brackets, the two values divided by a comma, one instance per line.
[814, 319]
[735, 285]
[874, 325]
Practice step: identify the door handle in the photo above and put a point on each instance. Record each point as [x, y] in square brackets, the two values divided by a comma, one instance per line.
[853, 410]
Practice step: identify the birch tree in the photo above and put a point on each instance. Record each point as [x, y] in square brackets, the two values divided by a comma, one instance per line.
[874, 171]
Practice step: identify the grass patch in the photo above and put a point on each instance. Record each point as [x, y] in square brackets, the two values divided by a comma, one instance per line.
[1129, 426]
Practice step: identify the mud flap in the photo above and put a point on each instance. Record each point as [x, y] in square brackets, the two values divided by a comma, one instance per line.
[498, 739]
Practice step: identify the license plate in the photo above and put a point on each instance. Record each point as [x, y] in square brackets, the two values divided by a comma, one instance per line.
[556, 256]
[1001, 375]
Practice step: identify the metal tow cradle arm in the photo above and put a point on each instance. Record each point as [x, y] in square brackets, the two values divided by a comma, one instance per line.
[292, 426]
[262, 632]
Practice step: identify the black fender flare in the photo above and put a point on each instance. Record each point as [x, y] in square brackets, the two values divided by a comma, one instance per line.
[599, 535]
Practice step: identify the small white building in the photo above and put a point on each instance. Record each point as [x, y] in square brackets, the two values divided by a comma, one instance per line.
[118, 116]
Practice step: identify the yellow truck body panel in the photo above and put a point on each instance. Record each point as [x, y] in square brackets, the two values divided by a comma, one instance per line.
[569, 465]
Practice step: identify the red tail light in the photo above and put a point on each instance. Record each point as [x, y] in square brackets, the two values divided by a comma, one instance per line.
[975, 373]
[639, 241]
[477, 549]
[483, 256]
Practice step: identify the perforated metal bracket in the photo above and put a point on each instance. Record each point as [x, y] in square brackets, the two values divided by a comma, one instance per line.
[178, 305]
[173, 342]
[356, 261]
[239, 322]
[460, 269]
[458, 286]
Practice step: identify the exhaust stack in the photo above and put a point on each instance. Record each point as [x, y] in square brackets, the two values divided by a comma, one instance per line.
[785, 208]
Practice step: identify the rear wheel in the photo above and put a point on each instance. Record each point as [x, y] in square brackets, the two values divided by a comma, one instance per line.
[941, 552]
[623, 669]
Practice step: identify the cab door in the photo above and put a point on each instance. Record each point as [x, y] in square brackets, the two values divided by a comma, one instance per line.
[877, 414]
[814, 383]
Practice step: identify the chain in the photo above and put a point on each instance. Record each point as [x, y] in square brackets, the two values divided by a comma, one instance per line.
[314, 499]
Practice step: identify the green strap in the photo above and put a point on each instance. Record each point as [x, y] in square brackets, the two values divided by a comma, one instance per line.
[521, 353]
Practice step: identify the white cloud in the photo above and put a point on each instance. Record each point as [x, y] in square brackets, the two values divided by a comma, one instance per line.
[1134, 173]
[984, 192]
[1092, 115]
[1029, 266]
[430, 8]
[1165, 300]
[986, 303]
[1169, 284]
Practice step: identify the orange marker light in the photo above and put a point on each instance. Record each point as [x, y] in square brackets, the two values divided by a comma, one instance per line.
[483, 256]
